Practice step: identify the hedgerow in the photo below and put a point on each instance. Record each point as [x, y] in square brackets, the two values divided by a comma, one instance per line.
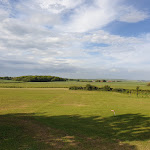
[89, 87]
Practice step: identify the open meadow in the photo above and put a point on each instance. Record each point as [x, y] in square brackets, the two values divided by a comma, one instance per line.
[74, 74]
[58, 118]
[67, 84]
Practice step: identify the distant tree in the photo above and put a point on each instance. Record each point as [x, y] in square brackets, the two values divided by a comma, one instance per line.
[119, 90]
[137, 90]
[90, 87]
[76, 88]
[6, 78]
[130, 92]
[98, 81]
[39, 78]
[107, 88]
[103, 80]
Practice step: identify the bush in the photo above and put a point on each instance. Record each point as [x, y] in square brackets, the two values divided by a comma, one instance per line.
[119, 90]
[76, 88]
[98, 81]
[103, 80]
[6, 78]
[91, 87]
[148, 84]
[106, 88]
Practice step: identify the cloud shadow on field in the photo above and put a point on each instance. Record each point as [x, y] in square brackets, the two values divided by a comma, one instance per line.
[77, 132]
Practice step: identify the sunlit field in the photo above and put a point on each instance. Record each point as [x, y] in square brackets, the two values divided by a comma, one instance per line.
[124, 84]
[58, 118]
[74, 74]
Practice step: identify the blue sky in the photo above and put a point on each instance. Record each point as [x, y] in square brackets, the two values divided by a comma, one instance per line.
[75, 39]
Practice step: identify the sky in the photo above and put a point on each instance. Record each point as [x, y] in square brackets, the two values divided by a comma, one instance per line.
[89, 39]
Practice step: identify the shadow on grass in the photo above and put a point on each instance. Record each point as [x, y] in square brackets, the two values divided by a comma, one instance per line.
[76, 132]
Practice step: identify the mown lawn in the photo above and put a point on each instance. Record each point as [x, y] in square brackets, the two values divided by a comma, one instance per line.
[43, 119]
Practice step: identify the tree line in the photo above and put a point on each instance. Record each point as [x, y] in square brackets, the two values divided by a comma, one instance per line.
[38, 79]
[35, 78]
[6, 78]
[90, 87]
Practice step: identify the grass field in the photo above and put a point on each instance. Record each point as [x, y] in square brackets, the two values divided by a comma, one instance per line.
[56, 118]
[9, 81]
[125, 84]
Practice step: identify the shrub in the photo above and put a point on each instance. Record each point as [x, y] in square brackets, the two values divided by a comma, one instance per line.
[106, 88]
[98, 81]
[119, 90]
[137, 90]
[76, 88]
[103, 80]
[148, 84]
[91, 87]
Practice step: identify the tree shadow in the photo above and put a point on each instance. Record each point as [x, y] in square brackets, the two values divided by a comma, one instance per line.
[85, 132]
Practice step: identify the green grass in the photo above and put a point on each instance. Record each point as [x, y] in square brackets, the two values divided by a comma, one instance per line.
[43, 118]
[125, 84]
[9, 81]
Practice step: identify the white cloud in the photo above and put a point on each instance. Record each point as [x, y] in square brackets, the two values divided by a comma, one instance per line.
[132, 15]
[114, 70]
[40, 40]
[57, 6]
[91, 16]
[3, 14]
[4, 2]
[41, 18]
[66, 50]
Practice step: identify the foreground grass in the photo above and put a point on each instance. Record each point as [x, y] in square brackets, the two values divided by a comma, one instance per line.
[63, 119]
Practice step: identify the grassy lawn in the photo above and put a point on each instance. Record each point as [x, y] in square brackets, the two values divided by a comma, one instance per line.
[43, 119]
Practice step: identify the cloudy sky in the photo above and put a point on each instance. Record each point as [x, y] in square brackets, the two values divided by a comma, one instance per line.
[75, 38]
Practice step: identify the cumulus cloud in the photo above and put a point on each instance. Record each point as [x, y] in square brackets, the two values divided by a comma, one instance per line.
[57, 6]
[50, 37]
[3, 14]
[132, 15]
[92, 16]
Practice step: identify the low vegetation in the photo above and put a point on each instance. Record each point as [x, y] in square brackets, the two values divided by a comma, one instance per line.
[6, 78]
[148, 84]
[53, 119]
[38, 78]
[66, 84]
[89, 87]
